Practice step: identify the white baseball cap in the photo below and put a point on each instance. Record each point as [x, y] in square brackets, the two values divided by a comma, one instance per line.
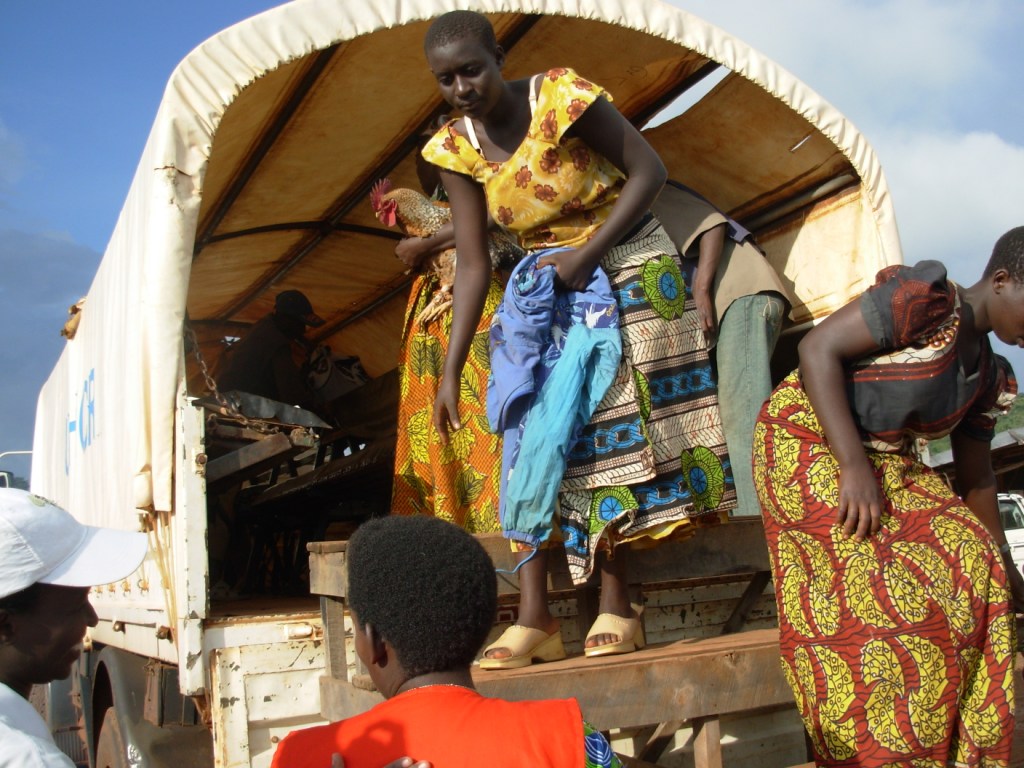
[42, 543]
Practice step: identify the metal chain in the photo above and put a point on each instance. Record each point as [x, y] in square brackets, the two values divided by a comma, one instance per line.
[228, 406]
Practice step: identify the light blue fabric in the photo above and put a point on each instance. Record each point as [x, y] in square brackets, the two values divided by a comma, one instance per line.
[520, 331]
[553, 356]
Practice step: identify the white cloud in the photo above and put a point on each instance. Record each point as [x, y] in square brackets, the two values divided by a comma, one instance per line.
[954, 195]
[932, 84]
[921, 79]
[905, 60]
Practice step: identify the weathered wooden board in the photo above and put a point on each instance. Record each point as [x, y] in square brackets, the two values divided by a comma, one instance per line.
[250, 459]
[678, 681]
[735, 548]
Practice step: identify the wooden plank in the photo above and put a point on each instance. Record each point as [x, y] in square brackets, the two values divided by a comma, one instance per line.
[703, 609]
[326, 547]
[339, 699]
[677, 681]
[332, 612]
[661, 736]
[750, 597]
[250, 459]
[634, 762]
[736, 547]
[707, 743]
[328, 575]
[733, 548]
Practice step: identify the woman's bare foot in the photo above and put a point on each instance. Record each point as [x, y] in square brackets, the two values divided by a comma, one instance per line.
[533, 598]
[614, 594]
[550, 626]
[605, 639]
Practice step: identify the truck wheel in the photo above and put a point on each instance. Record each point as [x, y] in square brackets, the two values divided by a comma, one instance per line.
[110, 750]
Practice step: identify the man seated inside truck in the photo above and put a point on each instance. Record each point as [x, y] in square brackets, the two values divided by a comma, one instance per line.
[48, 562]
[263, 361]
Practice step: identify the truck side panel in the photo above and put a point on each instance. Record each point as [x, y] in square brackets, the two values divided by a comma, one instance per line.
[263, 693]
[190, 560]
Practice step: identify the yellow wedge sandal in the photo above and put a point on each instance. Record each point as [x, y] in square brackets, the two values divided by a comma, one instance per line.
[629, 631]
[527, 645]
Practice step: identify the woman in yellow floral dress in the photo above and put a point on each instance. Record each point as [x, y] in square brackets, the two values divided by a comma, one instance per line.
[894, 593]
[553, 162]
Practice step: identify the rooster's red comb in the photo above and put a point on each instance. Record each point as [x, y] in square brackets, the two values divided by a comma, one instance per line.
[380, 188]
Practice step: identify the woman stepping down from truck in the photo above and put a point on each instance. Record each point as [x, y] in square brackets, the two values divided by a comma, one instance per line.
[600, 379]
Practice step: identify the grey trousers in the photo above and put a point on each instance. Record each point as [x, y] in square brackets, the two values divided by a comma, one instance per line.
[746, 339]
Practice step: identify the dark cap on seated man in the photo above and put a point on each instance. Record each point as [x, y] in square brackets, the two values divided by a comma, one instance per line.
[295, 304]
[263, 361]
[48, 562]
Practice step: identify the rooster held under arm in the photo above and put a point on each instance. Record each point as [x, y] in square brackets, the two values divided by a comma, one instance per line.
[419, 216]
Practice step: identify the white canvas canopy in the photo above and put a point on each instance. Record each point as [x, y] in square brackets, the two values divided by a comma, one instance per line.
[255, 177]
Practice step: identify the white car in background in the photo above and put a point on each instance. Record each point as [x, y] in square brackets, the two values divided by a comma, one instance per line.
[1011, 512]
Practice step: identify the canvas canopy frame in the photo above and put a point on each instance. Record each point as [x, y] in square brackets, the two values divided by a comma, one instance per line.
[256, 173]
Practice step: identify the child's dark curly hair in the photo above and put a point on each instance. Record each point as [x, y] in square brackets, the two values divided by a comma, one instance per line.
[426, 586]
[458, 25]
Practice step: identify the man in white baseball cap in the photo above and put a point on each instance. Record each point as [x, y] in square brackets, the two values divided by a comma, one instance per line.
[48, 562]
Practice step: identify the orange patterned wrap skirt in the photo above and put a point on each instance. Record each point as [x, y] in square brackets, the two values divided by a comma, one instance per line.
[458, 482]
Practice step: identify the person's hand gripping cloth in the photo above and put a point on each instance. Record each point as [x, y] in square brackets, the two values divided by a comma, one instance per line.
[554, 354]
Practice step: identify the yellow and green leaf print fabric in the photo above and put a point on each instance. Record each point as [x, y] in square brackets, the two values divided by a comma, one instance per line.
[457, 482]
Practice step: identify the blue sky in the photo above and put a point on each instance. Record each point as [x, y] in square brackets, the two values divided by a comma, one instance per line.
[933, 84]
[80, 83]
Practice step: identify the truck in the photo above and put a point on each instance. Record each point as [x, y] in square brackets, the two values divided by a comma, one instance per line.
[1011, 514]
[255, 179]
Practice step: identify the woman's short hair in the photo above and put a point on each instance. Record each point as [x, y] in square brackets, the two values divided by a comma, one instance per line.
[1008, 254]
[458, 25]
[426, 586]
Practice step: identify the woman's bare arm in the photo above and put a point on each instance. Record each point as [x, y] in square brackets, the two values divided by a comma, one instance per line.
[472, 278]
[842, 337]
[603, 128]
[976, 481]
[709, 256]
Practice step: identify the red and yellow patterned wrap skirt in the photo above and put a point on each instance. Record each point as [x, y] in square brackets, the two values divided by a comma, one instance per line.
[899, 649]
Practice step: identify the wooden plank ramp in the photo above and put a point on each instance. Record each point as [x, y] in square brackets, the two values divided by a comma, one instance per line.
[692, 682]
[655, 691]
